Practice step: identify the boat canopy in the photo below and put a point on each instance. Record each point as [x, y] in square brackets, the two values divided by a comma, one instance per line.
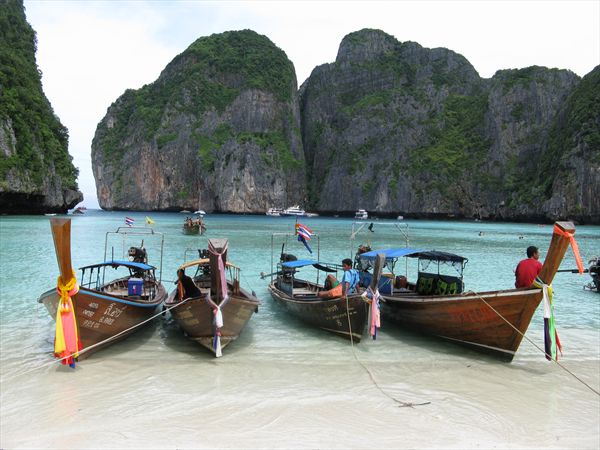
[434, 255]
[319, 265]
[431, 255]
[118, 262]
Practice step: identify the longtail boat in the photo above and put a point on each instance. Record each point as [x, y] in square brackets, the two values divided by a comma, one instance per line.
[344, 317]
[216, 316]
[493, 322]
[107, 308]
[194, 225]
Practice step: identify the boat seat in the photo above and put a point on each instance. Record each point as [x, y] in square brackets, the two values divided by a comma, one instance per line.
[425, 284]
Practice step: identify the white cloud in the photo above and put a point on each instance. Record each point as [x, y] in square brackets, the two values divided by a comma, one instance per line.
[91, 52]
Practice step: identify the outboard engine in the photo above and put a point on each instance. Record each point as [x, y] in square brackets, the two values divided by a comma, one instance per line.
[287, 273]
[362, 264]
[138, 254]
[287, 257]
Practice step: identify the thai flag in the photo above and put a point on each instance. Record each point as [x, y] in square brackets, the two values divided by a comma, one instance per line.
[129, 221]
[304, 231]
[304, 234]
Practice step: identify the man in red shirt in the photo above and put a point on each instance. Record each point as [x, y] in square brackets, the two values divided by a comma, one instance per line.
[528, 269]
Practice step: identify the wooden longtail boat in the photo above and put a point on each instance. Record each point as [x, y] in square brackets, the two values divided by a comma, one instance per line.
[477, 319]
[106, 308]
[344, 317]
[194, 226]
[197, 315]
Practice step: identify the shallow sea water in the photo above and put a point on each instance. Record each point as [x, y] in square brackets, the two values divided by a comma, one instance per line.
[282, 384]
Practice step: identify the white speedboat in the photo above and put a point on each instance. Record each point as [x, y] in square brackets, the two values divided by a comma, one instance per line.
[274, 212]
[293, 211]
[200, 212]
[361, 214]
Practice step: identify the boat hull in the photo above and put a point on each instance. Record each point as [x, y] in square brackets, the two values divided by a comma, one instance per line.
[101, 316]
[327, 314]
[195, 317]
[466, 319]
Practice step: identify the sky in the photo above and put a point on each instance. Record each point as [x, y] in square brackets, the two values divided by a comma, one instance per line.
[90, 52]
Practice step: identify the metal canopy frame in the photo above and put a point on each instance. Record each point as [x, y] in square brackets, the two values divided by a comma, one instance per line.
[126, 232]
[357, 227]
[287, 236]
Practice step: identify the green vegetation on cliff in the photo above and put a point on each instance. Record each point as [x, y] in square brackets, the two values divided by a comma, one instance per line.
[41, 140]
[578, 125]
[457, 143]
[209, 74]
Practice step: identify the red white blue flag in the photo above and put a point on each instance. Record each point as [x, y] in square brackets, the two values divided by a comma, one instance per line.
[129, 221]
[304, 234]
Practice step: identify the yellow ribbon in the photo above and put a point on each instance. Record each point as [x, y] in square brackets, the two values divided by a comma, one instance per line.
[65, 305]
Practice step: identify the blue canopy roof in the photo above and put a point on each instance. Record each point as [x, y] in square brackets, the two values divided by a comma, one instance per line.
[119, 262]
[390, 253]
[299, 263]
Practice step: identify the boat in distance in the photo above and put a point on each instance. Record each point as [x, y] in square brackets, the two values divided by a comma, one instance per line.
[293, 211]
[213, 316]
[436, 304]
[274, 212]
[105, 308]
[361, 214]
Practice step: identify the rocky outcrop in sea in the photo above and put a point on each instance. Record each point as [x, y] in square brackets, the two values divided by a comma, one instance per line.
[390, 127]
[393, 127]
[36, 171]
[218, 130]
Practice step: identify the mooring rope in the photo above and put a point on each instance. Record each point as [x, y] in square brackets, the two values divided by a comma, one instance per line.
[371, 376]
[534, 344]
[110, 338]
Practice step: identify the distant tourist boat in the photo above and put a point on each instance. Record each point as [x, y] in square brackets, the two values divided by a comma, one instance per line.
[274, 212]
[400, 218]
[185, 211]
[200, 213]
[194, 225]
[79, 210]
[107, 308]
[293, 211]
[311, 214]
[217, 314]
[361, 214]
[437, 304]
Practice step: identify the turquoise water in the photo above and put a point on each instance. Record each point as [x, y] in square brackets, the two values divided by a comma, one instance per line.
[277, 358]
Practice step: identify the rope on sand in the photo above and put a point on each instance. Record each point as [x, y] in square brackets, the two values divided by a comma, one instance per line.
[401, 403]
[534, 344]
[110, 338]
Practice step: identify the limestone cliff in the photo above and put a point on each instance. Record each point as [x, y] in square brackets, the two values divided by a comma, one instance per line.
[394, 128]
[218, 130]
[36, 171]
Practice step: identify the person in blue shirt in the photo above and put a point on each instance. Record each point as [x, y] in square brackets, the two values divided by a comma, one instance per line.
[350, 278]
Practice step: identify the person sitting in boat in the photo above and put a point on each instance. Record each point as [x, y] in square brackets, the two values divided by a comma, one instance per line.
[186, 288]
[332, 288]
[528, 269]
[350, 279]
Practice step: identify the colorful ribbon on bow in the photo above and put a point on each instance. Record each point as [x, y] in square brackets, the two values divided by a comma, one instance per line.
[374, 311]
[218, 319]
[66, 337]
[551, 340]
[574, 246]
